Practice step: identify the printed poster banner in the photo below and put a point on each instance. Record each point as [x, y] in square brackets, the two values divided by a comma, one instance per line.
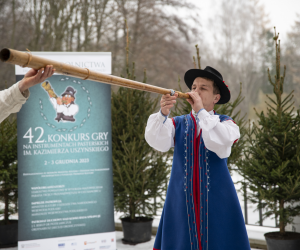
[65, 160]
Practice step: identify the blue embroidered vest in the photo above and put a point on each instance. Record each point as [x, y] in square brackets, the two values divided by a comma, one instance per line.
[201, 210]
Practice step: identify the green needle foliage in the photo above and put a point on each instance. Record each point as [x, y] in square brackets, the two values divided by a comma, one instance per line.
[271, 166]
[140, 173]
[183, 107]
[8, 168]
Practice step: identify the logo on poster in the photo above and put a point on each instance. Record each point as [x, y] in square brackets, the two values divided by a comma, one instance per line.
[64, 106]
[61, 245]
[30, 245]
[91, 242]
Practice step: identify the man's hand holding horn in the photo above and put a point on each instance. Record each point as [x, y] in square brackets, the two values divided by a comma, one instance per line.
[167, 102]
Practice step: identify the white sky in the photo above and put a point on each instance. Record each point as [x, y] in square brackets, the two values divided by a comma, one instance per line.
[282, 13]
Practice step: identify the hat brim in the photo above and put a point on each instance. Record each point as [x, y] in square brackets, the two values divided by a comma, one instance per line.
[192, 74]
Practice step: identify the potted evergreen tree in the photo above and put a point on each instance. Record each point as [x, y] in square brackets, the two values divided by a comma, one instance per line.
[139, 172]
[8, 181]
[271, 166]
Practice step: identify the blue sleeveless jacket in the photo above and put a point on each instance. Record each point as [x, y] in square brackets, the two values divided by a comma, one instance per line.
[201, 210]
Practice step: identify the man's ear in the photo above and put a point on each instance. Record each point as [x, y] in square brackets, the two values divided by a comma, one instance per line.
[217, 98]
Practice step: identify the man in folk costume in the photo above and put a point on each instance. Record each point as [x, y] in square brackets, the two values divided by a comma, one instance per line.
[201, 210]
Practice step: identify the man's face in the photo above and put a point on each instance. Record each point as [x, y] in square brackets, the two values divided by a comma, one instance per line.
[205, 89]
[67, 99]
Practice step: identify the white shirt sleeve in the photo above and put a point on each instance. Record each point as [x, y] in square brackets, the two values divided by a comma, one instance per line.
[218, 136]
[159, 132]
[58, 108]
[54, 102]
[11, 100]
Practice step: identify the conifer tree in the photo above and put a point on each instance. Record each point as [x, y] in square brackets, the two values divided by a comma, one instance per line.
[183, 107]
[271, 166]
[8, 167]
[139, 172]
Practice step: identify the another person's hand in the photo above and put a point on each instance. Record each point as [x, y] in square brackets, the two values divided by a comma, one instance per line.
[59, 101]
[196, 101]
[167, 102]
[34, 77]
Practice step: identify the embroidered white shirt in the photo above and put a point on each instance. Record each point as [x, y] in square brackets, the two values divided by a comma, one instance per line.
[11, 100]
[217, 136]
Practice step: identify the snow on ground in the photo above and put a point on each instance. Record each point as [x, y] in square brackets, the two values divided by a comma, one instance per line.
[120, 246]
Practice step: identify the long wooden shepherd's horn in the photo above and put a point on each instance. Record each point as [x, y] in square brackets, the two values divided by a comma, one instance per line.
[24, 59]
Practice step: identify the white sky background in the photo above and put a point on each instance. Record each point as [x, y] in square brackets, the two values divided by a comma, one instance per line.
[281, 13]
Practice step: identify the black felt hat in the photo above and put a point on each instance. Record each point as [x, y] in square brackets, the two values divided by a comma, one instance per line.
[212, 74]
[69, 91]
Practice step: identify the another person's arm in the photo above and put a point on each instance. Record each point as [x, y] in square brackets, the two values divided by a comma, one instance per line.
[12, 99]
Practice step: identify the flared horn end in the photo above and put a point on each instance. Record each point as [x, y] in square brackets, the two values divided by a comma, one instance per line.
[4, 54]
